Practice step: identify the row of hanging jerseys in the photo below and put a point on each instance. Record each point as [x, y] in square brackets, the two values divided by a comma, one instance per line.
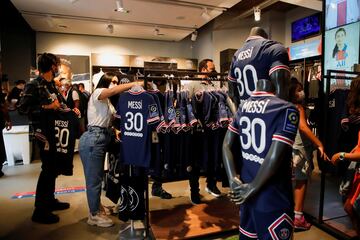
[165, 135]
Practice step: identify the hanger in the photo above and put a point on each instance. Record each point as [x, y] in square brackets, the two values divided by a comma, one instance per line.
[101, 71]
[121, 72]
[137, 88]
[139, 74]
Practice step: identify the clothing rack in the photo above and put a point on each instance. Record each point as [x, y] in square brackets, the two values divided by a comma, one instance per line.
[171, 75]
[319, 222]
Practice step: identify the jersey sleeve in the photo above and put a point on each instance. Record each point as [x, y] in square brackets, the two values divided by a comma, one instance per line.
[231, 76]
[279, 58]
[153, 111]
[287, 126]
[234, 126]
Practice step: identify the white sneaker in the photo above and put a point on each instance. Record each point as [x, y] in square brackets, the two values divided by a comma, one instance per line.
[100, 220]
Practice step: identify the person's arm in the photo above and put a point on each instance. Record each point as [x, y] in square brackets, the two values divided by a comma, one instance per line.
[347, 156]
[108, 92]
[304, 128]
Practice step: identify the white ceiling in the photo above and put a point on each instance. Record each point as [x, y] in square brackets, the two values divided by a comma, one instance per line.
[176, 19]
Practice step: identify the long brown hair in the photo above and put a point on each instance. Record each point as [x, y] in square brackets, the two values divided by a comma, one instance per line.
[353, 99]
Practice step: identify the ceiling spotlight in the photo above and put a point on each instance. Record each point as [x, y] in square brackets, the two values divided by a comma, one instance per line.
[257, 14]
[120, 7]
[50, 21]
[205, 15]
[157, 32]
[73, 1]
[194, 36]
[110, 28]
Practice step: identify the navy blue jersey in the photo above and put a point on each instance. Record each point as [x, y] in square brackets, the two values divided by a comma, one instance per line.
[60, 129]
[257, 59]
[260, 120]
[137, 110]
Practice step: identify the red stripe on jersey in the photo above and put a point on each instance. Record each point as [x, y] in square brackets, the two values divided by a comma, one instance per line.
[154, 119]
[136, 93]
[231, 79]
[259, 93]
[279, 67]
[248, 234]
[253, 38]
[234, 130]
[283, 139]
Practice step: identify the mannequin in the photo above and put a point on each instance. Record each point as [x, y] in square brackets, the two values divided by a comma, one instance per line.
[240, 192]
[266, 125]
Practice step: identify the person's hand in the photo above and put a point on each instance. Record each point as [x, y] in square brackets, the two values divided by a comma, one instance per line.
[55, 105]
[323, 154]
[8, 125]
[77, 112]
[241, 193]
[335, 158]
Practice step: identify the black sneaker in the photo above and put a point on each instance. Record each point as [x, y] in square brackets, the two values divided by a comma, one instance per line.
[213, 191]
[195, 198]
[160, 192]
[1, 173]
[57, 205]
[44, 217]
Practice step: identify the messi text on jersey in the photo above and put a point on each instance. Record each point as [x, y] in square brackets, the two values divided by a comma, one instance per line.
[135, 104]
[255, 106]
[245, 54]
[61, 123]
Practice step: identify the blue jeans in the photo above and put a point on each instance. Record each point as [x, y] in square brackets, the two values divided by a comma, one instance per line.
[92, 148]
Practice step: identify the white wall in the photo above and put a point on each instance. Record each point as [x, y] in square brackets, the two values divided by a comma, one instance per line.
[294, 15]
[72, 44]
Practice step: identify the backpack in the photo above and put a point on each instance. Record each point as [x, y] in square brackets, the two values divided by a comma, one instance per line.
[83, 101]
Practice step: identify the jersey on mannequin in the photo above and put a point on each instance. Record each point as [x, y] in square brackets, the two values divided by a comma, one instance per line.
[277, 153]
[257, 60]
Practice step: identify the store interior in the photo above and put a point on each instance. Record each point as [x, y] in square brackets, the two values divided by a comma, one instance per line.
[127, 37]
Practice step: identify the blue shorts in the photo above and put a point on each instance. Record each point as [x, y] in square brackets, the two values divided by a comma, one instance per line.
[256, 224]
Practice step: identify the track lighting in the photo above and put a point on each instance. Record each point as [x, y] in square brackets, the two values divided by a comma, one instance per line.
[120, 7]
[194, 36]
[205, 15]
[110, 28]
[257, 14]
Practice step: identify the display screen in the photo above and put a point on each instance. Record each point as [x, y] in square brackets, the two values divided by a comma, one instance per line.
[341, 12]
[305, 27]
[342, 47]
[305, 50]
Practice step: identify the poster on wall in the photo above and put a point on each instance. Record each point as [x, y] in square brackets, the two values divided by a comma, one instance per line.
[80, 67]
[342, 47]
[341, 12]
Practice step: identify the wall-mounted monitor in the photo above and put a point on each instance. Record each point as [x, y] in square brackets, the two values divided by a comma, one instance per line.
[342, 47]
[341, 12]
[306, 27]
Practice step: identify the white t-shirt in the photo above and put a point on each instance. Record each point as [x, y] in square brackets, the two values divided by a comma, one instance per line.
[99, 112]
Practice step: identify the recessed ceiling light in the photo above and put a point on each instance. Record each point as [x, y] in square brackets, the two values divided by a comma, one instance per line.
[62, 26]
[180, 17]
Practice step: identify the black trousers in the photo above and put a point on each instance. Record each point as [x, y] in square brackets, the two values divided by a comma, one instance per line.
[46, 183]
[194, 177]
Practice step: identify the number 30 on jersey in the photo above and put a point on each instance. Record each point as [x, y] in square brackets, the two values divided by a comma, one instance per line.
[243, 81]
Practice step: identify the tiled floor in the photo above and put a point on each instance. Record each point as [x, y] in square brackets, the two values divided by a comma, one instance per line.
[15, 220]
